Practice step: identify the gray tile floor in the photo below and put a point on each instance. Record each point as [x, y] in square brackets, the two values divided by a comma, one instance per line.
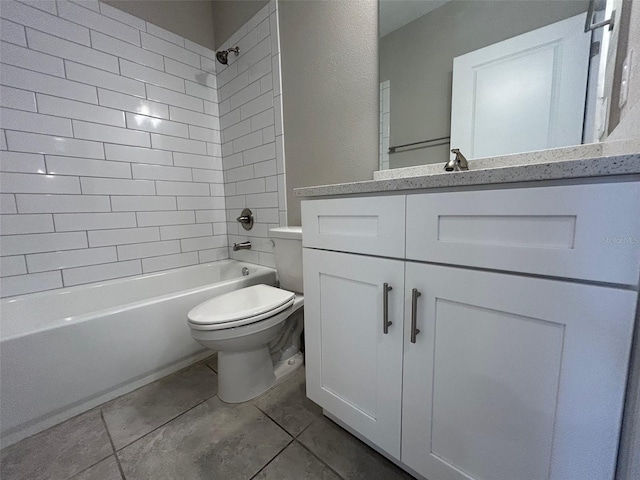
[177, 428]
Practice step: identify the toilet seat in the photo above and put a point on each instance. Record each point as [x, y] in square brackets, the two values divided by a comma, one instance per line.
[240, 307]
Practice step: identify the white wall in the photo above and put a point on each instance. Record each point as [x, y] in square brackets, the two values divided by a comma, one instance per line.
[112, 159]
[251, 120]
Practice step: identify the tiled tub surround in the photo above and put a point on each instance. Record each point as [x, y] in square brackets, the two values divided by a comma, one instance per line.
[385, 127]
[250, 95]
[111, 162]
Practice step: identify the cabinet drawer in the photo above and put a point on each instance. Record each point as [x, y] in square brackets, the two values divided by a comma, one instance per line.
[372, 225]
[589, 232]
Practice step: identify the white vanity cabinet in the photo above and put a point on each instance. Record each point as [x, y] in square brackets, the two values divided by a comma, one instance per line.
[512, 377]
[354, 361]
[501, 361]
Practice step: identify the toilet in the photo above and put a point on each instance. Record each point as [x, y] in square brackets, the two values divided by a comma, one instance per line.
[256, 330]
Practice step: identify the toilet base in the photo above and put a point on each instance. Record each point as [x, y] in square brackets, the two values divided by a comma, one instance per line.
[242, 376]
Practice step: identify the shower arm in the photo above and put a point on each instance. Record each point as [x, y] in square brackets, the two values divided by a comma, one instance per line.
[222, 55]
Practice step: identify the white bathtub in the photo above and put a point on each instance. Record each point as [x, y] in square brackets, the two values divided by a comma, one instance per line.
[66, 351]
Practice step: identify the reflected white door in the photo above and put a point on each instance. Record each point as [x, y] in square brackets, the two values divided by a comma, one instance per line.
[522, 94]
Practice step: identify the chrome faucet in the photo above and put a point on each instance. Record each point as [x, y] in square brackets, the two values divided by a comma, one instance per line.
[246, 219]
[458, 163]
[241, 246]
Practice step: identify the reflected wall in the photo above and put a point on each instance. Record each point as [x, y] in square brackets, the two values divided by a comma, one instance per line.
[417, 60]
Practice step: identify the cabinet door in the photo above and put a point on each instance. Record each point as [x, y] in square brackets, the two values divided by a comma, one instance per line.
[354, 369]
[513, 378]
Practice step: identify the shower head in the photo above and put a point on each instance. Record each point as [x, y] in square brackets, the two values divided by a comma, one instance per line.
[223, 55]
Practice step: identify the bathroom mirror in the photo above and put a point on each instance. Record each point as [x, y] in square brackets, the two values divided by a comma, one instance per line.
[493, 77]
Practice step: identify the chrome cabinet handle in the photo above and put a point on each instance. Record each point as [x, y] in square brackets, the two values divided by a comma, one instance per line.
[385, 308]
[414, 314]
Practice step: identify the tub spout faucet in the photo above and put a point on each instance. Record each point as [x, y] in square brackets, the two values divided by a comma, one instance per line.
[241, 246]
[458, 163]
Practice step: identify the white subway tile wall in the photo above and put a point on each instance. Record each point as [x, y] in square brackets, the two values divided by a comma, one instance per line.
[385, 115]
[250, 107]
[112, 160]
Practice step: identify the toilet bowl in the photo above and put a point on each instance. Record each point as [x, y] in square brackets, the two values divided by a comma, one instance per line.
[256, 330]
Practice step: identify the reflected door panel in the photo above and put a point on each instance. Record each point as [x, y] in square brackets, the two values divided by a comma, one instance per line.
[523, 94]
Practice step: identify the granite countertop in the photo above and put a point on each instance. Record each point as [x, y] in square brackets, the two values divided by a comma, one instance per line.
[592, 161]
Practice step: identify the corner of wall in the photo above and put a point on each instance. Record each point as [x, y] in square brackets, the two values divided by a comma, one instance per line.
[253, 158]
[331, 107]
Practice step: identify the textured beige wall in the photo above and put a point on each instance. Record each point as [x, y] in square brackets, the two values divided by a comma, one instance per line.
[330, 92]
[418, 60]
[624, 123]
[230, 15]
[615, 57]
[633, 43]
[192, 19]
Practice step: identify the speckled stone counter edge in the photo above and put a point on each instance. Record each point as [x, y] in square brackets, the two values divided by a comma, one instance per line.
[554, 170]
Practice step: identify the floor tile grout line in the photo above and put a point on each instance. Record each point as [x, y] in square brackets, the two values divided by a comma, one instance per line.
[296, 435]
[120, 469]
[116, 450]
[274, 457]
[356, 438]
[90, 466]
[106, 428]
[113, 452]
[326, 464]
[113, 446]
[310, 423]
[271, 419]
[165, 423]
[254, 403]
[291, 437]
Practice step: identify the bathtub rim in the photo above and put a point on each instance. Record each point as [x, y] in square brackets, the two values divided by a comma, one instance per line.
[260, 270]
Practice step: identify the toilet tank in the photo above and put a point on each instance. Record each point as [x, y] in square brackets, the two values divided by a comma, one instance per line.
[287, 251]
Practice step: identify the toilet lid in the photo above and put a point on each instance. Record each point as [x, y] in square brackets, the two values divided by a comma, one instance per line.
[249, 304]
